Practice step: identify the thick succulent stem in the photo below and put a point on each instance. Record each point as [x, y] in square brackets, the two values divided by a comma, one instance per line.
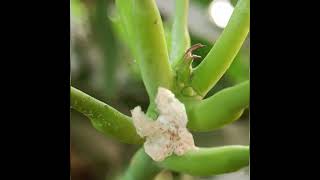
[220, 57]
[209, 161]
[104, 118]
[180, 34]
[144, 26]
[220, 109]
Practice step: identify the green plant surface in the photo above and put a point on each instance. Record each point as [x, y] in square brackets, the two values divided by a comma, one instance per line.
[220, 57]
[239, 69]
[104, 37]
[141, 24]
[167, 31]
[180, 35]
[209, 161]
[105, 118]
[148, 43]
[77, 9]
[220, 109]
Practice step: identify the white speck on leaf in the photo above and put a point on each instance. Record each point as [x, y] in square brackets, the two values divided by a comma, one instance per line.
[168, 134]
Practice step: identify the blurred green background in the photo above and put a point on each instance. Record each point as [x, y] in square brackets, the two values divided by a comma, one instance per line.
[103, 67]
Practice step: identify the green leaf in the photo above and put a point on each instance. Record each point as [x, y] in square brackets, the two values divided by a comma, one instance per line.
[105, 118]
[220, 57]
[220, 109]
[104, 38]
[209, 161]
[180, 34]
[143, 25]
[239, 69]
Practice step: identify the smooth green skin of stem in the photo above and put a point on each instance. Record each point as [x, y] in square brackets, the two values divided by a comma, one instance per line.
[119, 30]
[141, 167]
[239, 70]
[105, 118]
[124, 10]
[220, 109]
[104, 36]
[209, 161]
[180, 41]
[220, 57]
[167, 27]
[144, 25]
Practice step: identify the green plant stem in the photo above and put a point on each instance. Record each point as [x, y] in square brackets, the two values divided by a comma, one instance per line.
[144, 26]
[104, 37]
[119, 30]
[220, 109]
[180, 34]
[142, 167]
[105, 118]
[239, 69]
[218, 60]
[209, 161]
[124, 10]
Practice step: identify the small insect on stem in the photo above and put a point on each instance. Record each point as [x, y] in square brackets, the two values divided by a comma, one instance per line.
[188, 55]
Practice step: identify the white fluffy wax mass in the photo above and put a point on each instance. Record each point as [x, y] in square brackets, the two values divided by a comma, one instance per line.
[168, 134]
